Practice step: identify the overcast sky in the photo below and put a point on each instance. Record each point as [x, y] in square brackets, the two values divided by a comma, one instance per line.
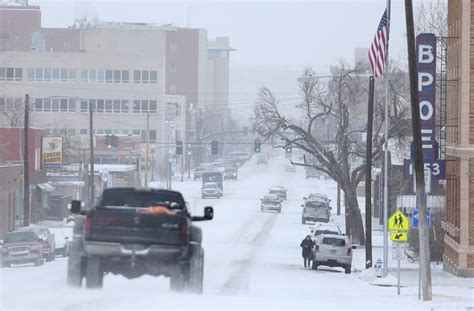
[267, 33]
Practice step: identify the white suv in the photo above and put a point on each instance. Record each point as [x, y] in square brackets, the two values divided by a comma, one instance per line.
[333, 251]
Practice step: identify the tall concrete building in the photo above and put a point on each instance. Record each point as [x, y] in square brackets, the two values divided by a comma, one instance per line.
[128, 73]
[459, 218]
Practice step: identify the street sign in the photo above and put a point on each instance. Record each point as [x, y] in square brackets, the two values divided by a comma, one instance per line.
[398, 222]
[398, 251]
[415, 219]
[436, 167]
[398, 236]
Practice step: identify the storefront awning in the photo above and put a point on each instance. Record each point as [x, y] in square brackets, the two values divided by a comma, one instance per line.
[46, 187]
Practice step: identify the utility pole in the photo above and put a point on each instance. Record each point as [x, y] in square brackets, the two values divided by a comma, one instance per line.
[368, 178]
[91, 156]
[26, 165]
[424, 237]
[146, 147]
[338, 201]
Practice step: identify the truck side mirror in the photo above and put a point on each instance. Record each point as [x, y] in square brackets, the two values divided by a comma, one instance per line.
[76, 206]
[302, 205]
[208, 213]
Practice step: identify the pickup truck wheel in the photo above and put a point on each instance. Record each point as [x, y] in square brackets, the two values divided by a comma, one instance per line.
[196, 270]
[94, 274]
[6, 265]
[39, 261]
[177, 282]
[303, 221]
[347, 269]
[75, 264]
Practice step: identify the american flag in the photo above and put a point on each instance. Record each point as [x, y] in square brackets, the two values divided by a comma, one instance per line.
[379, 48]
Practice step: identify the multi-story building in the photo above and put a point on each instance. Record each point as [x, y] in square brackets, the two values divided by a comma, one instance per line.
[459, 218]
[127, 72]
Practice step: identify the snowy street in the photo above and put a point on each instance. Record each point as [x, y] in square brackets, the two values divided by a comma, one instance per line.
[252, 261]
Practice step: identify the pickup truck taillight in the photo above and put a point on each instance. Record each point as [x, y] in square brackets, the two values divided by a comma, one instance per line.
[87, 227]
[349, 251]
[184, 231]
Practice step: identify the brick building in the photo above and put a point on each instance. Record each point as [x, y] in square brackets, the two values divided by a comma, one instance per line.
[459, 218]
[10, 196]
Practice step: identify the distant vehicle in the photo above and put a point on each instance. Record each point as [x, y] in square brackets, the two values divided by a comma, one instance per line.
[230, 173]
[21, 247]
[215, 177]
[47, 240]
[318, 197]
[315, 211]
[290, 168]
[135, 232]
[262, 159]
[333, 251]
[271, 202]
[240, 157]
[325, 228]
[211, 189]
[311, 172]
[280, 191]
[198, 170]
[217, 166]
[61, 242]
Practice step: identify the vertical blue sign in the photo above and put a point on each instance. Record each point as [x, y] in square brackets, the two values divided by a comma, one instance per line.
[426, 69]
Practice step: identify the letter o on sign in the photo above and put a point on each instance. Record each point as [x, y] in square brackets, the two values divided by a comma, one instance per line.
[426, 110]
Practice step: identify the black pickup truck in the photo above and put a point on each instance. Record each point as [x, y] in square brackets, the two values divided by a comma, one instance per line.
[134, 232]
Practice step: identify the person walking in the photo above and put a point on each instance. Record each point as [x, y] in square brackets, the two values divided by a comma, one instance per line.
[307, 245]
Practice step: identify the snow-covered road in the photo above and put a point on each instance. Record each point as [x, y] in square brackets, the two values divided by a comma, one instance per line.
[253, 261]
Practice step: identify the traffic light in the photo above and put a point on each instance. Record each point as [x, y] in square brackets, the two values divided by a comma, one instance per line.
[214, 147]
[114, 140]
[108, 140]
[179, 147]
[257, 147]
[288, 149]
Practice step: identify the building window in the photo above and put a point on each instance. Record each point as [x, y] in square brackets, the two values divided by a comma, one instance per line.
[145, 76]
[64, 75]
[124, 76]
[137, 76]
[108, 76]
[100, 105]
[84, 75]
[108, 105]
[101, 76]
[92, 76]
[67, 45]
[172, 68]
[39, 74]
[30, 73]
[125, 108]
[63, 105]
[136, 132]
[47, 105]
[72, 105]
[55, 105]
[116, 106]
[11, 74]
[152, 135]
[84, 105]
[153, 106]
[83, 131]
[47, 74]
[38, 104]
[173, 46]
[56, 75]
[153, 76]
[18, 74]
[172, 88]
[136, 106]
[117, 76]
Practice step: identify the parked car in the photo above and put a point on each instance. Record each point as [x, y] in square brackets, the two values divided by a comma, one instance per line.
[211, 189]
[315, 211]
[22, 247]
[290, 168]
[280, 191]
[271, 202]
[312, 173]
[198, 170]
[262, 159]
[47, 240]
[333, 251]
[230, 173]
[62, 242]
[325, 228]
[317, 197]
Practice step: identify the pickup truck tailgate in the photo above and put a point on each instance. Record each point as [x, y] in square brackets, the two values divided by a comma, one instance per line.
[136, 226]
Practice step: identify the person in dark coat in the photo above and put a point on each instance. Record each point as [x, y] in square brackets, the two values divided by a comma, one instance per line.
[307, 245]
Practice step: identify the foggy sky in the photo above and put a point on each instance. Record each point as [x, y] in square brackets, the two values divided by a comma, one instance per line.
[264, 33]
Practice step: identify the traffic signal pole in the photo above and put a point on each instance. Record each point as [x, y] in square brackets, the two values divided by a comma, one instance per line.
[26, 165]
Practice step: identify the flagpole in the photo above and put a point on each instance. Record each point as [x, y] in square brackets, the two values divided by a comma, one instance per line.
[385, 188]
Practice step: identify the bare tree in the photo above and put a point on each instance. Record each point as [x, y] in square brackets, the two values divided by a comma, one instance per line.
[339, 153]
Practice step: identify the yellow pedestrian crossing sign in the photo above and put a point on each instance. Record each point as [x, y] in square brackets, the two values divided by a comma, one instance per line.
[398, 236]
[398, 222]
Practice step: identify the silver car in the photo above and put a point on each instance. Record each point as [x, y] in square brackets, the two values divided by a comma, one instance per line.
[333, 251]
[211, 189]
[271, 202]
[317, 210]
